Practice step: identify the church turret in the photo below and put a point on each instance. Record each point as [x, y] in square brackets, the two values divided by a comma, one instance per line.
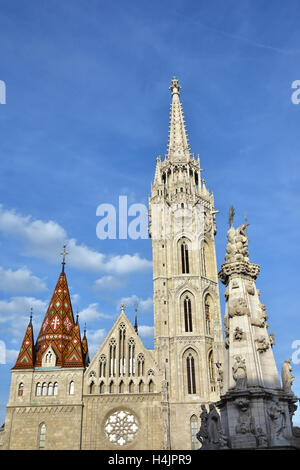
[59, 341]
[85, 349]
[26, 355]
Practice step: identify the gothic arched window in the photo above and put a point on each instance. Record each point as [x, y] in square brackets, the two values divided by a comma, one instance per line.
[20, 389]
[92, 388]
[44, 389]
[140, 361]
[187, 311]
[71, 388]
[42, 436]
[190, 374]
[194, 430]
[184, 257]
[112, 357]
[101, 387]
[50, 388]
[121, 387]
[211, 366]
[151, 386]
[208, 312]
[111, 387]
[55, 388]
[38, 389]
[131, 387]
[102, 365]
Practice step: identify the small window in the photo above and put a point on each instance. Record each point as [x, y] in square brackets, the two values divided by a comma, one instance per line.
[42, 436]
[20, 389]
[38, 389]
[44, 389]
[50, 388]
[55, 389]
[71, 388]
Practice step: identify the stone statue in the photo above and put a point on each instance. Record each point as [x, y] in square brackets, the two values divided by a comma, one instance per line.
[210, 434]
[272, 339]
[202, 434]
[237, 246]
[238, 334]
[261, 437]
[286, 376]
[239, 373]
[220, 375]
[262, 344]
[238, 308]
[245, 423]
[277, 423]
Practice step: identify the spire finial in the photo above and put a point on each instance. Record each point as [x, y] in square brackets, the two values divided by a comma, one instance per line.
[31, 310]
[135, 319]
[174, 87]
[64, 253]
[231, 215]
[122, 308]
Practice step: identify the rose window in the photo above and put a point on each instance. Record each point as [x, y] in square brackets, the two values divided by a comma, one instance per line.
[121, 427]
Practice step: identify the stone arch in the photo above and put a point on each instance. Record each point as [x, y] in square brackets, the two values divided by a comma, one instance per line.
[187, 311]
[190, 371]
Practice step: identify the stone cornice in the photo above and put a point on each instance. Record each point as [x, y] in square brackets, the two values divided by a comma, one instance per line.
[241, 268]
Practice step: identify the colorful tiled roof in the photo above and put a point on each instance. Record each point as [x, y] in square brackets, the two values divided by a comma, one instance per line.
[59, 330]
[25, 358]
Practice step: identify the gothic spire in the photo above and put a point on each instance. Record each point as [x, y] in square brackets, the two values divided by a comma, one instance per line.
[59, 330]
[135, 320]
[25, 358]
[178, 147]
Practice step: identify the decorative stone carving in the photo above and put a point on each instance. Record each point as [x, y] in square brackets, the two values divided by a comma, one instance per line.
[239, 308]
[235, 285]
[260, 321]
[277, 424]
[286, 376]
[238, 334]
[261, 437]
[237, 246]
[220, 375]
[226, 331]
[239, 373]
[262, 344]
[226, 294]
[250, 289]
[245, 423]
[210, 434]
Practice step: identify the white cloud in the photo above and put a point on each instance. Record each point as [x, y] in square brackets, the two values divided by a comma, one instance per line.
[108, 283]
[20, 281]
[92, 313]
[143, 304]
[11, 356]
[95, 339]
[45, 240]
[146, 331]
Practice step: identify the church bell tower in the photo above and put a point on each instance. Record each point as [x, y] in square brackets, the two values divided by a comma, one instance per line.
[187, 320]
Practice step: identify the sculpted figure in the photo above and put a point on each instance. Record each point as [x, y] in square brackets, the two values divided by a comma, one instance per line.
[262, 440]
[245, 424]
[210, 434]
[262, 344]
[238, 334]
[278, 423]
[286, 376]
[202, 434]
[239, 373]
[237, 246]
[238, 308]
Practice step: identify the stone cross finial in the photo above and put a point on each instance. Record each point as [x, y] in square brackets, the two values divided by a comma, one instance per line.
[122, 308]
[64, 253]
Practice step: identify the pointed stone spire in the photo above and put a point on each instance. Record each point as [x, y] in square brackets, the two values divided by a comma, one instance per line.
[25, 358]
[58, 329]
[135, 319]
[178, 147]
[85, 349]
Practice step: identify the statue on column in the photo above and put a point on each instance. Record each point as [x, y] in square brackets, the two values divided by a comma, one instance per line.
[237, 246]
[239, 373]
[286, 376]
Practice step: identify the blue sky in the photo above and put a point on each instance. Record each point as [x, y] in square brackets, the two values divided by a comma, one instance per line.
[86, 115]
